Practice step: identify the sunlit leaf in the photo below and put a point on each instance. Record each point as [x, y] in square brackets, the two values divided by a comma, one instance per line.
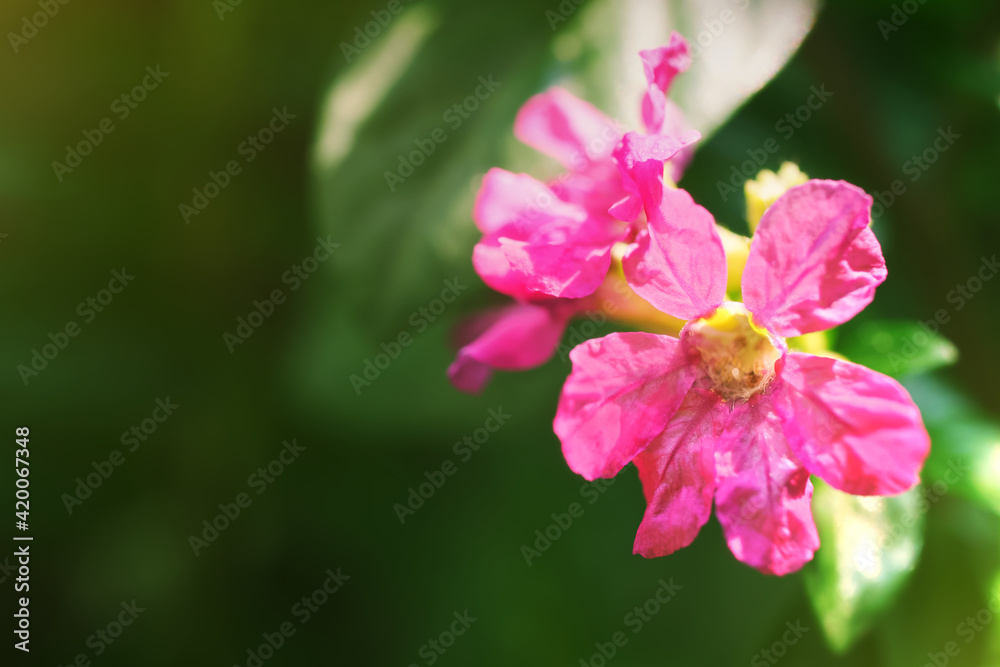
[897, 348]
[869, 547]
[738, 46]
[965, 443]
[993, 642]
[928, 622]
[396, 167]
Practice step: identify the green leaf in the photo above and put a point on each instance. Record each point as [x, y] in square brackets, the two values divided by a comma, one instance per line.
[992, 648]
[965, 444]
[397, 168]
[869, 547]
[898, 349]
[950, 584]
[737, 47]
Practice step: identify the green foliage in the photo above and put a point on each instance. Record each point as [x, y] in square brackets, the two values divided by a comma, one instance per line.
[869, 547]
[965, 443]
[898, 349]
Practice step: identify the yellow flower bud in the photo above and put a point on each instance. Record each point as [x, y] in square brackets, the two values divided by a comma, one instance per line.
[817, 343]
[763, 190]
[737, 248]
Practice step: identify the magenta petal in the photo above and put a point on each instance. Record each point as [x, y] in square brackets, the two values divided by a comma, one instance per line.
[542, 266]
[637, 148]
[675, 125]
[678, 264]
[514, 337]
[595, 189]
[629, 208]
[764, 493]
[563, 126]
[641, 158]
[677, 471]
[622, 393]
[856, 429]
[492, 265]
[537, 244]
[814, 263]
[661, 65]
[506, 198]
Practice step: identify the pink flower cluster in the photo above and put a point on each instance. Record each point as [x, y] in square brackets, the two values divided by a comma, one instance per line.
[549, 245]
[726, 411]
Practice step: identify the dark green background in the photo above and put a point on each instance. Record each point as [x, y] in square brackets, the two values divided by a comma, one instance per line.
[333, 507]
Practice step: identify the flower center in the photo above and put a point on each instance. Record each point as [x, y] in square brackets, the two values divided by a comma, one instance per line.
[736, 355]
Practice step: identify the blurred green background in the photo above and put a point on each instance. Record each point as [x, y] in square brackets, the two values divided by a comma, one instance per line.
[323, 176]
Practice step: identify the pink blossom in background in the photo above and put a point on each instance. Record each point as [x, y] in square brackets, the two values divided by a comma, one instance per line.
[549, 246]
[516, 336]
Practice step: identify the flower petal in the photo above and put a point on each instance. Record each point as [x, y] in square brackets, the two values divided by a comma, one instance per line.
[661, 65]
[675, 124]
[563, 126]
[678, 263]
[764, 493]
[677, 471]
[506, 199]
[515, 337]
[640, 158]
[595, 189]
[551, 262]
[814, 263]
[622, 393]
[537, 244]
[856, 429]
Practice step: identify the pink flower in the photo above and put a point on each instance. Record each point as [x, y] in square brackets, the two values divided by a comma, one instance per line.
[513, 337]
[549, 246]
[726, 411]
[555, 240]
